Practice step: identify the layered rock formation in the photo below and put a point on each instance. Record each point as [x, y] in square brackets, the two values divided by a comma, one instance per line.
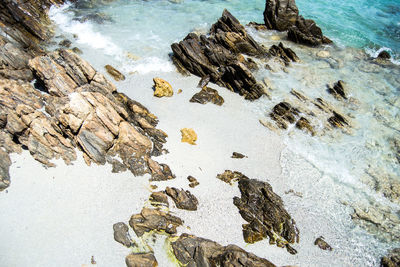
[283, 15]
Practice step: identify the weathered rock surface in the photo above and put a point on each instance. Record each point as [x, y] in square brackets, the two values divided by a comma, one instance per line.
[321, 243]
[5, 164]
[237, 155]
[188, 136]
[193, 181]
[159, 199]
[283, 15]
[230, 177]
[220, 56]
[392, 259]
[284, 53]
[266, 216]
[162, 88]
[194, 251]
[121, 234]
[206, 95]
[76, 107]
[384, 55]
[152, 219]
[141, 260]
[183, 199]
[116, 74]
[338, 90]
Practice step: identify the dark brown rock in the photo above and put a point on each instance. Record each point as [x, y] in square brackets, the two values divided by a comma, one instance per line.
[338, 120]
[266, 215]
[154, 220]
[65, 43]
[194, 251]
[237, 155]
[384, 55]
[230, 177]
[285, 53]
[304, 124]
[118, 76]
[283, 113]
[193, 181]
[280, 14]
[183, 199]
[141, 260]
[121, 234]
[206, 95]
[321, 243]
[159, 199]
[338, 90]
[392, 259]
[218, 56]
[307, 32]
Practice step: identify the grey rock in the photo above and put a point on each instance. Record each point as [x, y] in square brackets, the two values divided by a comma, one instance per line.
[121, 234]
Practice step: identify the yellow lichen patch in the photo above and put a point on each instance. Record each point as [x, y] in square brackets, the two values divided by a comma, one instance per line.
[189, 136]
[162, 88]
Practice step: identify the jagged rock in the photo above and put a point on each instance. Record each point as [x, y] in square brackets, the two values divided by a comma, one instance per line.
[392, 259]
[183, 199]
[338, 90]
[219, 56]
[162, 88]
[190, 250]
[159, 199]
[141, 260]
[189, 136]
[118, 76]
[193, 181]
[237, 155]
[230, 177]
[321, 243]
[280, 14]
[384, 55]
[338, 120]
[257, 26]
[265, 212]
[206, 95]
[5, 164]
[304, 124]
[203, 81]
[285, 53]
[65, 43]
[121, 234]
[154, 220]
[283, 113]
[283, 15]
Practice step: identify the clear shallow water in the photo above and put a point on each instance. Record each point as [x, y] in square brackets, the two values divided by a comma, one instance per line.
[137, 41]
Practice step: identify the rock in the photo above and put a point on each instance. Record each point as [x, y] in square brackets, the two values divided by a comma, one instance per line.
[338, 90]
[162, 88]
[141, 260]
[321, 243]
[188, 136]
[204, 81]
[118, 76]
[98, 18]
[193, 181]
[154, 220]
[65, 43]
[230, 177]
[219, 56]
[392, 259]
[384, 182]
[76, 50]
[338, 120]
[266, 215]
[283, 113]
[280, 14]
[92, 260]
[190, 250]
[179, 91]
[5, 164]
[291, 191]
[159, 199]
[304, 124]
[286, 54]
[206, 95]
[183, 199]
[237, 155]
[384, 55]
[121, 234]
[307, 32]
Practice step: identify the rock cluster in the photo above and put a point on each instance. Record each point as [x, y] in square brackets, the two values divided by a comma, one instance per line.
[283, 15]
[266, 215]
[220, 55]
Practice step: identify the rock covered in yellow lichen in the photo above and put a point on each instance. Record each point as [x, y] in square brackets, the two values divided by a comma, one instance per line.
[189, 136]
[162, 88]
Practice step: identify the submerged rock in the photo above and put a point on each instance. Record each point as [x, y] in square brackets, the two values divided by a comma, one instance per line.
[321, 243]
[384, 55]
[118, 76]
[154, 220]
[189, 136]
[121, 234]
[162, 88]
[206, 95]
[190, 250]
[183, 199]
[392, 259]
[141, 260]
[266, 216]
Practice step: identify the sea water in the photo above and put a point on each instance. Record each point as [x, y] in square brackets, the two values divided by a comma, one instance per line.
[329, 170]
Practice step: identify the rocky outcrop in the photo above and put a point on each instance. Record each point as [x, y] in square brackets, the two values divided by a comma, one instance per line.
[183, 199]
[266, 215]
[220, 55]
[190, 250]
[154, 220]
[206, 95]
[230, 177]
[74, 106]
[188, 136]
[283, 15]
[162, 88]
[141, 260]
[392, 259]
[121, 234]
